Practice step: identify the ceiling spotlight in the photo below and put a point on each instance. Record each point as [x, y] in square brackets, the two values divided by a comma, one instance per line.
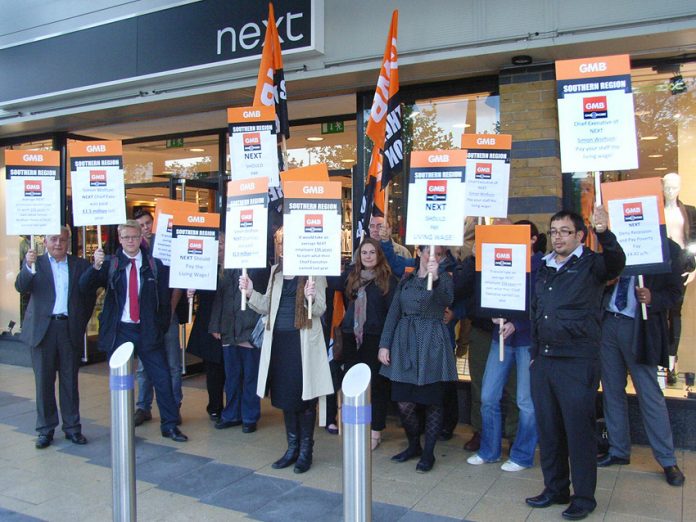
[521, 59]
[315, 138]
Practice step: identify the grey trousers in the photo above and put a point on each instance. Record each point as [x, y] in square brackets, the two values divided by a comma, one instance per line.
[616, 358]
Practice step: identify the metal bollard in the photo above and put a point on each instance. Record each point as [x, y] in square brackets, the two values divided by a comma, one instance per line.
[122, 383]
[357, 455]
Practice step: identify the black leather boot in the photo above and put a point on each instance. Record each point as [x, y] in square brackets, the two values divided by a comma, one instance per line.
[413, 450]
[291, 431]
[307, 420]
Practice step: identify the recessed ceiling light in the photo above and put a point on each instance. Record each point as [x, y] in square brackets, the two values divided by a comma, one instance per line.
[648, 138]
[655, 156]
[660, 168]
[315, 138]
[197, 150]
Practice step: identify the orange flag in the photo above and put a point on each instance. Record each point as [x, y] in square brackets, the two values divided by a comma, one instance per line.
[270, 85]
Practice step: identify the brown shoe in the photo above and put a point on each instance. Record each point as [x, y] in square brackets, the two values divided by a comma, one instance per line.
[474, 442]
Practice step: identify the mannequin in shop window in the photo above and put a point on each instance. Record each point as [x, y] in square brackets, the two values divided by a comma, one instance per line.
[680, 220]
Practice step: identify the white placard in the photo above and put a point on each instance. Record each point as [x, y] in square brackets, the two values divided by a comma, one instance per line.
[162, 240]
[98, 195]
[32, 205]
[194, 256]
[636, 224]
[312, 242]
[435, 209]
[245, 235]
[503, 276]
[253, 145]
[487, 183]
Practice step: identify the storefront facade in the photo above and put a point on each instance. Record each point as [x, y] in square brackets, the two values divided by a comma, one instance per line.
[159, 74]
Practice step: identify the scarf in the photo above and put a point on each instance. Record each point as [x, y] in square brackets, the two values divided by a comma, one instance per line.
[360, 312]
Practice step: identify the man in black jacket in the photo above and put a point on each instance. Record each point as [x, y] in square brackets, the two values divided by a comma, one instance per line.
[566, 334]
[630, 343]
[54, 328]
[137, 309]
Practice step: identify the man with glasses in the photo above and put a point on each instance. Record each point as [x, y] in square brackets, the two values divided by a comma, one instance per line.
[54, 328]
[566, 335]
[137, 309]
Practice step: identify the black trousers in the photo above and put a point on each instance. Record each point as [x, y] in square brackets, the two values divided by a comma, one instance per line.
[56, 354]
[379, 386]
[215, 383]
[564, 390]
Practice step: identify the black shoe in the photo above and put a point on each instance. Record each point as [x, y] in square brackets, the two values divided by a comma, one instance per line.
[674, 475]
[214, 416]
[249, 428]
[141, 416]
[474, 442]
[545, 500]
[223, 425]
[76, 438]
[575, 512]
[611, 460]
[413, 450]
[445, 435]
[425, 464]
[672, 377]
[174, 434]
[44, 441]
[291, 431]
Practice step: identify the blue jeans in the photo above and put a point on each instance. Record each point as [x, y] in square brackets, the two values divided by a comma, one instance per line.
[172, 348]
[494, 379]
[241, 374]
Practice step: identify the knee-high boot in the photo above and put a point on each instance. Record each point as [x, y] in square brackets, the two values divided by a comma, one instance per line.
[291, 431]
[307, 420]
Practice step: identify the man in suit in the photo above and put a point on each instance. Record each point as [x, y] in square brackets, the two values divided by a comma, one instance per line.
[54, 328]
[136, 309]
[630, 343]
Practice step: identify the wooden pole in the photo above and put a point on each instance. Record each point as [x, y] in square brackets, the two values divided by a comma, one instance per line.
[430, 276]
[244, 297]
[190, 314]
[643, 307]
[309, 300]
[99, 238]
[501, 341]
[598, 187]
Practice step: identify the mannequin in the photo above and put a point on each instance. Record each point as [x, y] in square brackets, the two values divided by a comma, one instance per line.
[680, 221]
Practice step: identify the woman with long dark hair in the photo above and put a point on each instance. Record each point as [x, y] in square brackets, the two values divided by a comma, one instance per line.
[294, 365]
[368, 289]
[417, 356]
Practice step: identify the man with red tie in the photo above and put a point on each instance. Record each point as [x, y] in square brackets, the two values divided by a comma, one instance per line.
[136, 309]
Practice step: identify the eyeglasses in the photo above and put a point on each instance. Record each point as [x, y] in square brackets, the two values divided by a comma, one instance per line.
[563, 232]
[131, 238]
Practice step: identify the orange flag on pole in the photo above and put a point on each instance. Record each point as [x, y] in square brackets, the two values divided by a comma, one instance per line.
[270, 85]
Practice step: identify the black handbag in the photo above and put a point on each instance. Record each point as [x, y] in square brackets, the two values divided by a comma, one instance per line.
[256, 338]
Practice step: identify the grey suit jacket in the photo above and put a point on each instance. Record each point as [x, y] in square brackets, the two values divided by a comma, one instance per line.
[42, 297]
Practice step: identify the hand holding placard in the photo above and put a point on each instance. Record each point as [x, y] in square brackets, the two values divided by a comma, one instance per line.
[246, 285]
[432, 267]
[98, 258]
[30, 257]
[600, 219]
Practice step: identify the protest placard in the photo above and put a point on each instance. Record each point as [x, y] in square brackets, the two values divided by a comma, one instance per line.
[487, 174]
[32, 188]
[435, 197]
[246, 223]
[312, 228]
[96, 176]
[194, 250]
[253, 144]
[637, 218]
[503, 264]
[595, 114]
[161, 245]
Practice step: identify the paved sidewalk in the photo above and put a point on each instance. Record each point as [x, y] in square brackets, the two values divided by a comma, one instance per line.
[227, 475]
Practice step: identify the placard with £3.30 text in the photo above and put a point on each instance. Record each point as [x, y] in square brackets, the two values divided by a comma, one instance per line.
[246, 223]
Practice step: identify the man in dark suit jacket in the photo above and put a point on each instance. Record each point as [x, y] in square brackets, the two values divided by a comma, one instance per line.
[137, 309]
[54, 328]
[631, 343]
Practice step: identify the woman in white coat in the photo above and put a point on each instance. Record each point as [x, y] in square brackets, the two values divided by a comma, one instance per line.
[294, 365]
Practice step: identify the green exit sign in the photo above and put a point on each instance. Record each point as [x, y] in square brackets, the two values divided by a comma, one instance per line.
[174, 143]
[332, 127]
